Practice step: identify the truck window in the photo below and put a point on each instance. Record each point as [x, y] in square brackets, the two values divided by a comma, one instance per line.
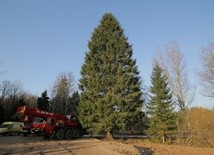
[4, 126]
[11, 126]
[73, 118]
[50, 121]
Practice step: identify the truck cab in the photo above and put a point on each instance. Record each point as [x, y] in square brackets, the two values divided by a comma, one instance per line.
[34, 127]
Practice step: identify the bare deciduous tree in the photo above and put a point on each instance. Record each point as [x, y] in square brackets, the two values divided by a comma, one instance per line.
[10, 89]
[61, 92]
[29, 99]
[16, 89]
[174, 65]
[207, 74]
[5, 88]
[10, 94]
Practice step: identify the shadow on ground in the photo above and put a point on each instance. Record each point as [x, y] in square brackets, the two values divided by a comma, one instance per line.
[144, 150]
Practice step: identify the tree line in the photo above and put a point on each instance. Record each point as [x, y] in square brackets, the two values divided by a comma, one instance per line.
[111, 93]
[64, 98]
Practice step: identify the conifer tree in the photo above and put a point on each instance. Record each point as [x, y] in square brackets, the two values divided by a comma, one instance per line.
[160, 108]
[73, 103]
[110, 82]
[43, 101]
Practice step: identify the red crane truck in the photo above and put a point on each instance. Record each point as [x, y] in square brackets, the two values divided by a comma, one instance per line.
[55, 126]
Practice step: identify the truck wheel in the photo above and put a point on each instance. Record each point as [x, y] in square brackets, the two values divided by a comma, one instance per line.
[5, 134]
[60, 134]
[79, 133]
[68, 134]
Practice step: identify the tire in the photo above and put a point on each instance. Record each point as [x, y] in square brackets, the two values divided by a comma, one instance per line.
[68, 134]
[5, 134]
[79, 133]
[75, 133]
[60, 134]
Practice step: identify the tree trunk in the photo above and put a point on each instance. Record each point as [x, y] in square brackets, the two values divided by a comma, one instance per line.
[109, 135]
[163, 136]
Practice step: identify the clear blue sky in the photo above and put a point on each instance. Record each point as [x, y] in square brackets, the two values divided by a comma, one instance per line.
[40, 38]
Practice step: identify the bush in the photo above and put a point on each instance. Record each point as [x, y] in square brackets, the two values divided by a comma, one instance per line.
[196, 127]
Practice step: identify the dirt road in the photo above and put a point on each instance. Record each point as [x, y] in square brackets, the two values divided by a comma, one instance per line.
[19, 145]
[85, 146]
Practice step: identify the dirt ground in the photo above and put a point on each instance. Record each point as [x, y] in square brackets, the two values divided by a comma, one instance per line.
[85, 146]
[18, 145]
[148, 148]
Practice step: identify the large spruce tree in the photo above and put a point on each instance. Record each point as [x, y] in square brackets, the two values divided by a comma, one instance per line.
[160, 108]
[110, 82]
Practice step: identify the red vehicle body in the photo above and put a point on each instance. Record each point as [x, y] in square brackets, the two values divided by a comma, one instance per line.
[33, 126]
[55, 125]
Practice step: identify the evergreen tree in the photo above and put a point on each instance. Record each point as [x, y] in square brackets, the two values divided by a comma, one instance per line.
[110, 82]
[43, 101]
[74, 102]
[160, 108]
